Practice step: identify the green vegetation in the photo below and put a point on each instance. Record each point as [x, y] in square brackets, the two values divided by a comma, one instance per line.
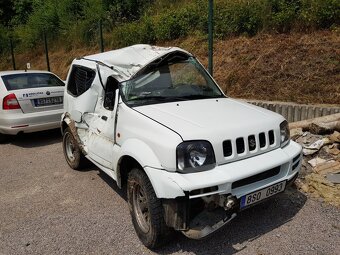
[75, 22]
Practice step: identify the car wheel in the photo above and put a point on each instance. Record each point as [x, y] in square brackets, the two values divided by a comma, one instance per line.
[146, 210]
[72, 152]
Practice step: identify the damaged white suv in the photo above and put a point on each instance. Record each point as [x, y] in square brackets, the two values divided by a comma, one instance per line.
[191, 158]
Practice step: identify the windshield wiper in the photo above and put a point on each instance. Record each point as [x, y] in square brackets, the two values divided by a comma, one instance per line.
[172, 98]
[161, 98]
[200, 96]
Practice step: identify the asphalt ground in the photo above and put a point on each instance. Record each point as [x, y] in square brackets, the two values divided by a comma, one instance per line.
[48, 208]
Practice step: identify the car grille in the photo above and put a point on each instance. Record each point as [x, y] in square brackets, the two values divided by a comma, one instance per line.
[251, 143]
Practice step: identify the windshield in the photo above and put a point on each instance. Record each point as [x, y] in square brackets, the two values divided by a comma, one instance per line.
[177, 79]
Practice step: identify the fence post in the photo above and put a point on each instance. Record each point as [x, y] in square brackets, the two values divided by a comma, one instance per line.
[12, 52]
[210, 36]
[46, 52]
[101, 35]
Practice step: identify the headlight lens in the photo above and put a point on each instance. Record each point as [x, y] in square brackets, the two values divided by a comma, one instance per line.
[284, 133]
[195, 156]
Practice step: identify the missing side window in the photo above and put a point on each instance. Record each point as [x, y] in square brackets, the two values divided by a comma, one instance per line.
[80, 81]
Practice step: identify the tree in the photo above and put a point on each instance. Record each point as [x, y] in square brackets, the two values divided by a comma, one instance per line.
[6, 12]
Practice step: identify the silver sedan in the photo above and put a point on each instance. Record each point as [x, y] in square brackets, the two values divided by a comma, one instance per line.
[30, 101]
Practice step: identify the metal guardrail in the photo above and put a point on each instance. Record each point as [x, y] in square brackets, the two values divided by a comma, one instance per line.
[297, 112]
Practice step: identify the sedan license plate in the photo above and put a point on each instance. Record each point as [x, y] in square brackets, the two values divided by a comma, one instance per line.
[48, 101]
[259, 195]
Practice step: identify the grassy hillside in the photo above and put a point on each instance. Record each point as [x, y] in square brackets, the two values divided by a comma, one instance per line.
[264, 49]
[298, 67]
[74, 23]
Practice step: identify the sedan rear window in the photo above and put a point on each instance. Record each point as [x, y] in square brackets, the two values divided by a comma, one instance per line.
[30, 80]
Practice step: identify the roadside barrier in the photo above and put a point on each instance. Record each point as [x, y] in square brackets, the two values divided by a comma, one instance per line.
[296, 112]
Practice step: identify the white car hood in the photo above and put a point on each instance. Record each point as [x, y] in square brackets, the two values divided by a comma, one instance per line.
[212, 119]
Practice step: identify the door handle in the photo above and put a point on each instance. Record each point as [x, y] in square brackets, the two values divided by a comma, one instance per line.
[104, 118]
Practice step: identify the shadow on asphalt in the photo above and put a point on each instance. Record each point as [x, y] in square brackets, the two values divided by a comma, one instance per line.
[249, 225]
[109, 181]
[36, 139]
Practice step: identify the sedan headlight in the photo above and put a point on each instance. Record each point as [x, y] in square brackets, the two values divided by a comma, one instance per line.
[284, 133]
[195, 156]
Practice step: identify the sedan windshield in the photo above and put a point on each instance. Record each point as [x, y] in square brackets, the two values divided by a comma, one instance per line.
[178, 79]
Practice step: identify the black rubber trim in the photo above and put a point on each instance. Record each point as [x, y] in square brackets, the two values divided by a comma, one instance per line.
[255, 178]
[296, 157]
[295, 165]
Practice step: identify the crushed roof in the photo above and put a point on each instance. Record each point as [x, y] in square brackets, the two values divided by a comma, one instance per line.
[129, 60]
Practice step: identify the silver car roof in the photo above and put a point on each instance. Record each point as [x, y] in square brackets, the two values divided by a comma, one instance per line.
[22, 71]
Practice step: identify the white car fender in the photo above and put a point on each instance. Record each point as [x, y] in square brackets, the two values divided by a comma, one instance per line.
[164, 184]
[160, 179]
[141, 152]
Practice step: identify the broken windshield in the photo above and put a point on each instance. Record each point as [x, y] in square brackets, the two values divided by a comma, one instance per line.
[176, 79]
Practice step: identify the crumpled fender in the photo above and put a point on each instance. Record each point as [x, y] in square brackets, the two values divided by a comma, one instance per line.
[65, 117]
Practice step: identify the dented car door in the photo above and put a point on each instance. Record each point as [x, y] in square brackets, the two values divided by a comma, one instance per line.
[102, 138]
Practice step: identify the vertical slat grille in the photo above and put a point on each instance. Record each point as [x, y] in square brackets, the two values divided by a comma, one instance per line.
[271, 137]
[262, 139]
[240, 145]
[227, 148]
[251, 142]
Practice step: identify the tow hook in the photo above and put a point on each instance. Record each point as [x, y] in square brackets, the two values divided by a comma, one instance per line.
[229, 202]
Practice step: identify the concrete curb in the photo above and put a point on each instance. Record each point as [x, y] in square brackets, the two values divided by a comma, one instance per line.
[297, 112]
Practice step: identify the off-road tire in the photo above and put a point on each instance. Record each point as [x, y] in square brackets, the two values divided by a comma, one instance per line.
[158, 233]
[77, 160]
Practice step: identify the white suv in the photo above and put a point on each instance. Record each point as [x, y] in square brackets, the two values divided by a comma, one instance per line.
[191, 158]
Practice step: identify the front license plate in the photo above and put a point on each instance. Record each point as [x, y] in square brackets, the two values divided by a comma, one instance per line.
[48, 101]
[259, 195]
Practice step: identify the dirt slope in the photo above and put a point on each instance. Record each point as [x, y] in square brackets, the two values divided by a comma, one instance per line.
[303, 68]
[298, 67]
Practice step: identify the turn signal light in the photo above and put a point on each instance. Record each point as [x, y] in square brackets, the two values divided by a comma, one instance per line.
[10, 102]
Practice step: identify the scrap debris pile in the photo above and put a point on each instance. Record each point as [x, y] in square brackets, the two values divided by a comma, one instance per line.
[320, 171]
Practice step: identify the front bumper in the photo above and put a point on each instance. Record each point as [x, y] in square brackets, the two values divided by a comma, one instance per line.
[172, 184]
[218, 192]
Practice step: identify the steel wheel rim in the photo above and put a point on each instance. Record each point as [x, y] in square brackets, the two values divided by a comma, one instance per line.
[69, 147]
[141, 208]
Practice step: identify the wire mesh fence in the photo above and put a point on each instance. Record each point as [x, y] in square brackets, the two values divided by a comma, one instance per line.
[101, 42]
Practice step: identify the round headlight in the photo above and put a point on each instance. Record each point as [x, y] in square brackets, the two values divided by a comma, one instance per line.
[195, 156]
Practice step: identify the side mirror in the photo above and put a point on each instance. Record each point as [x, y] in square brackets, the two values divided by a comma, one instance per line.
[110, 93]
